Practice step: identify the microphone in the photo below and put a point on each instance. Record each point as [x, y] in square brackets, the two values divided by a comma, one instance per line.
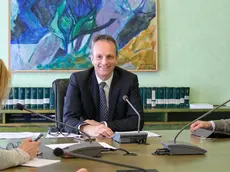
[182, 148]
[133, 136]
[60, 153]
[126, 99]
[90, 149]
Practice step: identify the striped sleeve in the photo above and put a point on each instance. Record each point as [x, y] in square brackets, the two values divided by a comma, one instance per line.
[11, 158]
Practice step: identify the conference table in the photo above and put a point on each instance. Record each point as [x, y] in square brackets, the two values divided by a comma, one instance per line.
[216, 159]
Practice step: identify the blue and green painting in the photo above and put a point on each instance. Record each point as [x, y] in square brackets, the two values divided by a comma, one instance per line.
[57, 34]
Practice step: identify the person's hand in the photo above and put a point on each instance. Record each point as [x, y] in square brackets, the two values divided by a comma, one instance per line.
[30, 147]
[200, 124]
[92, 122]
[82, 170]
[97, 130]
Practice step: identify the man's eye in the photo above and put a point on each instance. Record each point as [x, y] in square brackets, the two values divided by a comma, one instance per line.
[110, 57]
[99, 57]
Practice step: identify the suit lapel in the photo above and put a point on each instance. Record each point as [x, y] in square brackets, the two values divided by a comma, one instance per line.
[94, 92]
[113, 95]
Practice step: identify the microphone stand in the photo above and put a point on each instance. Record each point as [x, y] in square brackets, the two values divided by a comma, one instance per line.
[200, 118]
[139, 116]
[175, 148]
[131, 137]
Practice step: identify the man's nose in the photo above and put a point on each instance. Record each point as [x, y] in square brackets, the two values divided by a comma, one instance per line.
[104, 60]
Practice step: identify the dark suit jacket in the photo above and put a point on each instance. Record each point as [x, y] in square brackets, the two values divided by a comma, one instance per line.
[82, 100]
[222, 125]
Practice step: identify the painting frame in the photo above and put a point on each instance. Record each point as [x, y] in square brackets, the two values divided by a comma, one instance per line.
[153, 68]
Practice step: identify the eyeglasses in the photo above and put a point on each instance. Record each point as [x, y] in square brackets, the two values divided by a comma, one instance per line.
[54, 131]
[10, 146]
[13, 145]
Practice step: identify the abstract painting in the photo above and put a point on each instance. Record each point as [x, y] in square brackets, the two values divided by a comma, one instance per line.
[56, 35]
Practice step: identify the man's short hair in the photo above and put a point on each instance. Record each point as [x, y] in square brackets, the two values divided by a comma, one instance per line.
[105, 37]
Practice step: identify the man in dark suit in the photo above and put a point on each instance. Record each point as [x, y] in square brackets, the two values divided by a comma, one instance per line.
[94, 100]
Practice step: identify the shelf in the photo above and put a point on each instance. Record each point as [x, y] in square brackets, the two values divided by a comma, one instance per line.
[168, 123]
[20, 111]
[27, 124]
[222, 109]
[176, 116]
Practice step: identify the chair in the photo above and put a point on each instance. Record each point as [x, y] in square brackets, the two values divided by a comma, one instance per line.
[59, 87]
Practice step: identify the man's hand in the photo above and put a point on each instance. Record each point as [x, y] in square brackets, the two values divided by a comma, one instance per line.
[30, 147]
[92, 122]
[97, 130]
[200, 124]
[82, 170]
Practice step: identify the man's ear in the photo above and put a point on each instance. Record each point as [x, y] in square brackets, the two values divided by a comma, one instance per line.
[91, 57]
[117, 59]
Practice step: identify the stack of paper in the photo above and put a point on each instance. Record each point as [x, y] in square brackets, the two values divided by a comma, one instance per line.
[67, 145]
[201, 106]
[60, 145]
[39, 162]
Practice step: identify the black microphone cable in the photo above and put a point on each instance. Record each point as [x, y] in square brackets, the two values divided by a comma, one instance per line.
[60, 153]
[127, 153]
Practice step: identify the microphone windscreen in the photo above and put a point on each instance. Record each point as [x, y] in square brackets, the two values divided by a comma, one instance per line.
[58, 152]
[19, 106]
[125, 97]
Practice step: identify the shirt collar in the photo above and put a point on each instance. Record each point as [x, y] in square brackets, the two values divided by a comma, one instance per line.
[108, 81]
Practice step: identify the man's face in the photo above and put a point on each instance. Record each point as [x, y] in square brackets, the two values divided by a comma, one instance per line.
[104, 58]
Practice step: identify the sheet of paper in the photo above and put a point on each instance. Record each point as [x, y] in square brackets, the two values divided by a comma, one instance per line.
[150, 134]
[105, 145]
[39, 162]
[62, 146]
[48, 136]
[17, 135]
[201, 106]
[66, 145]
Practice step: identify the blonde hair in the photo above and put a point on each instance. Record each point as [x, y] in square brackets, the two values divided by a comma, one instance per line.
[5, 78]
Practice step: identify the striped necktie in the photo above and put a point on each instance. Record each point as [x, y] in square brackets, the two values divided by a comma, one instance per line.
[104, 110]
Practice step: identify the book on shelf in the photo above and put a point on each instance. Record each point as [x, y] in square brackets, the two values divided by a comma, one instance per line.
[186, 96]
[151, 97]
[21, 95]
[46, 98]
[9, 103]
[27, 97]
[165, 97]
[15, 96]
[39, 98]
[19, 118]
[52, 101]
[33, 98]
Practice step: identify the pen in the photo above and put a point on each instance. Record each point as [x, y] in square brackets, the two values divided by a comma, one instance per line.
[39, 137]
[39, 154]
